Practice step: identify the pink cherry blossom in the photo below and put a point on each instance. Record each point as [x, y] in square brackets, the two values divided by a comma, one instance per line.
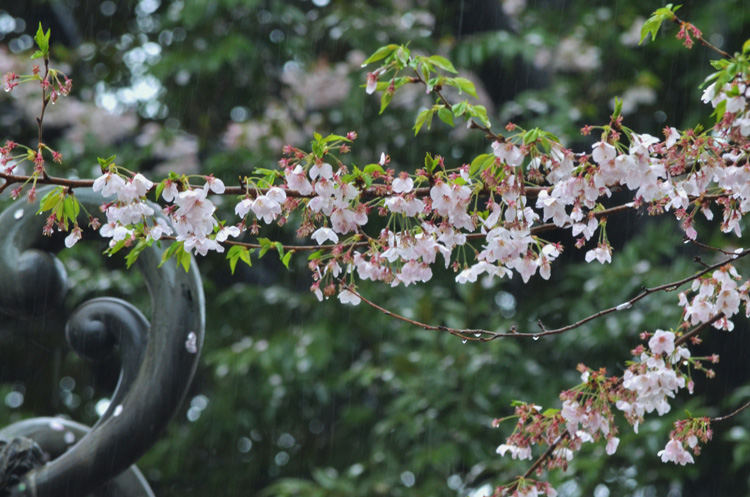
[676, 453]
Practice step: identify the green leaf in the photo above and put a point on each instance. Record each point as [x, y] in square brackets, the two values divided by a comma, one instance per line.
[459, 108]
[421, 118]
[134, 253]
[480, 162]
[531, 136]
[402, 56]
[442, 63]
[385, 100]
[371, 168]
[287, 257]
[479, 112]
[652, 25]
[618, 108]
[184, 259]
[466, 85]
[380, 53]
[446, 116]
[50, 200]
[238, 253]
[159, 188]
[71, 208]
[105, 163]
[36, 55]
[280, 249]
[315, 255]
[720, 110]
[176, 250]
[265, 246]
[746, 46]
[550, 412]
[42, 40]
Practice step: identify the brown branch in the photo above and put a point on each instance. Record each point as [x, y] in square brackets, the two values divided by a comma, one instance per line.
[481, 335]
[731, 415]
[547, 454]
[48, 180]
[700, 37]
[646, 291]
[697, 330]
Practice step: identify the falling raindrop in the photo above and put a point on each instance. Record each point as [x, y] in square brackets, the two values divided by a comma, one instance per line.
[101, 406]
[18, 214]
[7, 89]
[118, 411]
[69, 437]
[191, 344]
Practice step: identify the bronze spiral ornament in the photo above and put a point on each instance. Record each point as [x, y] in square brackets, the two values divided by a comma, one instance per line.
[158, 358]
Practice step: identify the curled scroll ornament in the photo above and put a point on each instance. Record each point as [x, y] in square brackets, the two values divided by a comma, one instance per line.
[158, 360]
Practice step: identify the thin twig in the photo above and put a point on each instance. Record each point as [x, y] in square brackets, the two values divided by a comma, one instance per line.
[698, 329]
[646, 291]
[731, 415]
[546, 454]
[700, 37]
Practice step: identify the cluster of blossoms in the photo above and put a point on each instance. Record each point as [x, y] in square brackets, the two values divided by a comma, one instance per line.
[191, 212]
[659, 372]
[717, 295]
[587, 413]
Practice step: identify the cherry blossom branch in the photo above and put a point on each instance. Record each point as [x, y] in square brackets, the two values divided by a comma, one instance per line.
[453, 331]
[546, 455]
[45, 101]
[669, 287]
[486, 335]
[698, 329]
[696, 33]
[47, 180]
[732, 414]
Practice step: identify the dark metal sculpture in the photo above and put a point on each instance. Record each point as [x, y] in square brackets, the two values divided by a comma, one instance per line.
[158, 359]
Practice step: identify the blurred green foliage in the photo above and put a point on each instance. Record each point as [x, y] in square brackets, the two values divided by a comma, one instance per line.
[298, 398]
